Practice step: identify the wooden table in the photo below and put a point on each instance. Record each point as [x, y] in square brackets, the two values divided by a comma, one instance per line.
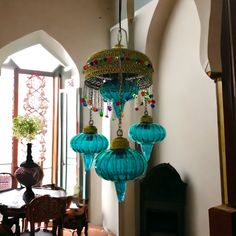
[12, 205]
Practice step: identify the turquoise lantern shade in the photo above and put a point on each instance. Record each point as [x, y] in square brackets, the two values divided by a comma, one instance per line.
[146, 134]
[89, 143]
[110, 91]
[120, 164]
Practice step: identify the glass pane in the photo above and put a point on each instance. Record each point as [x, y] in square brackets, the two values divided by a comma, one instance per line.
[6, 105]
[68, 101]
[36, 98]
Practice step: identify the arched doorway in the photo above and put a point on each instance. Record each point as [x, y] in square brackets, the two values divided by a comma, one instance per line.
[56, 92]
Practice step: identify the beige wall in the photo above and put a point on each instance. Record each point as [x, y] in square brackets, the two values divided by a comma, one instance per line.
[81, 27]
[186, 107]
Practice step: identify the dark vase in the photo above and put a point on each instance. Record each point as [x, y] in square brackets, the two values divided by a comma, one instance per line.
[29, 174]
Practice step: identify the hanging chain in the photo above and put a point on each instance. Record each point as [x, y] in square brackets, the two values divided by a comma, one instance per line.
[145, 107]
[119, 36]
[120, 78]
[91, 122]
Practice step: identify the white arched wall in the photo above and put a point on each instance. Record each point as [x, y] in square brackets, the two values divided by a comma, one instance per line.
[209, 12]
[158, 26]
[186, 107]
[172, 35]
[204, 10]
[49, 43]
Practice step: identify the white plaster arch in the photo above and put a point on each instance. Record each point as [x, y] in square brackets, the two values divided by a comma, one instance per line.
[48, 42]
[209, 12]
[209, 16]
[157, 28]
[204, 10]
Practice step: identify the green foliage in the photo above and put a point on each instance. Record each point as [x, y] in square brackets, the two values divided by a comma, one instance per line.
[26, 127]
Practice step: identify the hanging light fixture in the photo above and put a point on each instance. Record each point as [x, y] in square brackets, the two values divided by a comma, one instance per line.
[89, 143]
[116, 76]
[120, 164]
[146, 134]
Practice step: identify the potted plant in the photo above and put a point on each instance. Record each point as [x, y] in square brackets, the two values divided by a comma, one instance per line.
[29, 173]
[26, 127]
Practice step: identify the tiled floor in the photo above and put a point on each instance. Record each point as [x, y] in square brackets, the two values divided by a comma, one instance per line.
[92, 231]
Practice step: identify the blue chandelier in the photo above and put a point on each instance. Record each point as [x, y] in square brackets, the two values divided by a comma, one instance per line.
[113, 77]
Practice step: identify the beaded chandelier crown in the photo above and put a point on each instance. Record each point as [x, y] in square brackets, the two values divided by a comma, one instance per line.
[106, 65]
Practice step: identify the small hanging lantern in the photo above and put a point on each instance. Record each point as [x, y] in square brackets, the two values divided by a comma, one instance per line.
[120, 164]
[89, 143]
[146, 134]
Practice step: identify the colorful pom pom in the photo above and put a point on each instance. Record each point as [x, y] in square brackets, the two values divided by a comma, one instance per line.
[143, 93]
[152, 106]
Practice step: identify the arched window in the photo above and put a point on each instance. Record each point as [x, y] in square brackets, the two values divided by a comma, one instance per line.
[34, 82]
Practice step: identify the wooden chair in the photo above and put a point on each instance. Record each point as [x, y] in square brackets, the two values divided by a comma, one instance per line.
[52, 187]
[5, 231]
[76, 219]
[10, 218]
[7, 181]
[43, 209]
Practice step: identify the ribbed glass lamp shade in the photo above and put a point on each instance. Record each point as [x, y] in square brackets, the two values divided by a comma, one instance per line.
[111, 91]
[146, 134]
[89, 143]
[120, 164]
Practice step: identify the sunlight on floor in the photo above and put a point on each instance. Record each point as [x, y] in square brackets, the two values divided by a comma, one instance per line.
[93, 231]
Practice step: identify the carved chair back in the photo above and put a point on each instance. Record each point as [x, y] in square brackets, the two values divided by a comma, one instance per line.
[44, 209]
[7, 181]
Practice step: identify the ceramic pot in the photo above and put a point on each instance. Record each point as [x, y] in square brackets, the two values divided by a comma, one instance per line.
[29, 174]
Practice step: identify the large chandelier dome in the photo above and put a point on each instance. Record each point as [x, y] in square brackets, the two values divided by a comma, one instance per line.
[107, 64]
